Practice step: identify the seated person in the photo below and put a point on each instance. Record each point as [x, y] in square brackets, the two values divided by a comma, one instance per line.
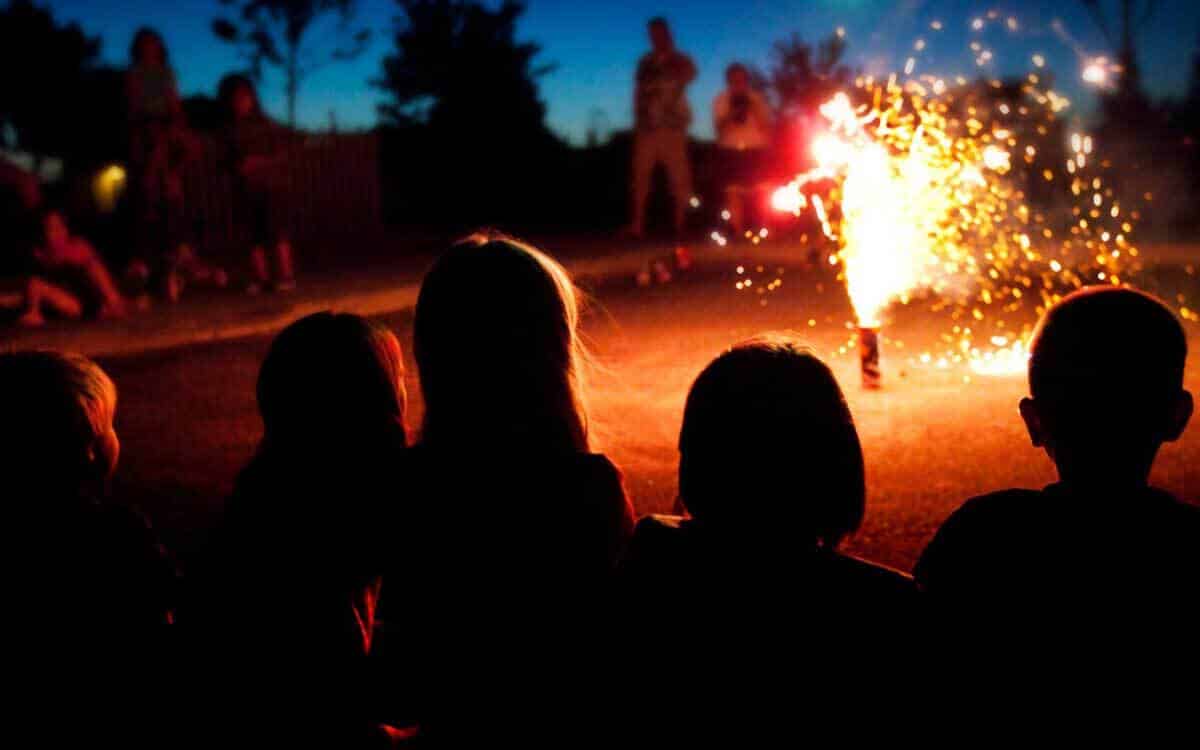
[69, 276]
[90, 591]
[58, 452]
[747, 604]
[771, 475]
[1106, 391]
[508, 524]
[286, 596]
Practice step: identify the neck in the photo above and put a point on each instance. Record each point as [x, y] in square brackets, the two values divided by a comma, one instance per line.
[1115, 483]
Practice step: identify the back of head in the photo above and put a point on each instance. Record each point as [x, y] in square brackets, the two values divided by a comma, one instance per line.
[767, 438]
[1106, 375]
[496, 344]
[332, 383]
[56, 435]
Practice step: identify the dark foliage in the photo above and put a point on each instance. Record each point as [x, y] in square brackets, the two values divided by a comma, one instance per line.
[276, 33]
[467, 135]
[42, 105]
[802, 77]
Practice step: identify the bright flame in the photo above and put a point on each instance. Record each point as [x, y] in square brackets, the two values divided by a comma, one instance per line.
[884, 244]
[917, 187]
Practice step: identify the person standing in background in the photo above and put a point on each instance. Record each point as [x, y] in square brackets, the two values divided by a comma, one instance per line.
[157, 148]
[742, 121]
[661, 119]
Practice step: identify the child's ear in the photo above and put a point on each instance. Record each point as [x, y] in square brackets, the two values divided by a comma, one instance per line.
[1181, 413]
[1033, 422]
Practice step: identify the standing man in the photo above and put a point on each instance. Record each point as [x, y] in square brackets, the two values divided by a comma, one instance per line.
[661, 124]
[742, 119]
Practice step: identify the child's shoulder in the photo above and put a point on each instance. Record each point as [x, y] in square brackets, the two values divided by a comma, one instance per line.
[1004, 503]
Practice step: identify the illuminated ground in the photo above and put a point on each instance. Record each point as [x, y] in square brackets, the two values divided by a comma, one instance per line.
[187, 417]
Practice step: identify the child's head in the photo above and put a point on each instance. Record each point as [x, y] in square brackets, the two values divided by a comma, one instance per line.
[497, 348]
[148, 48]
[57, 432]
[238, 97]
[1106, 384]
[332, 381]
[768, 439]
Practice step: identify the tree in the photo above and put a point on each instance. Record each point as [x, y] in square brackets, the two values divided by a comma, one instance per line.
[43, 110]
[802, 79]
[455, 61]
[470, 142]
[275, 32]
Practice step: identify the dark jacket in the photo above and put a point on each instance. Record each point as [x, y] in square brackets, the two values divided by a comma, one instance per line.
[1057, 551]
[496, 603]
[281, 614]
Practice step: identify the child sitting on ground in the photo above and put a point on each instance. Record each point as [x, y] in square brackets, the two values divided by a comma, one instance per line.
[90, 590]
[1106, 391]
[771, 475]
[91, 567]
[750, 589]
[69, 277]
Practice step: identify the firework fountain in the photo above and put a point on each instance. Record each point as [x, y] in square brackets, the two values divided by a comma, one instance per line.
[922, 185]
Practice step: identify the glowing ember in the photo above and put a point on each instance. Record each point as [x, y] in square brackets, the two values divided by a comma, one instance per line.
[1099, 72]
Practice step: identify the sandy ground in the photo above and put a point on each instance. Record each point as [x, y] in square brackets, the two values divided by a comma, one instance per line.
[187, 417]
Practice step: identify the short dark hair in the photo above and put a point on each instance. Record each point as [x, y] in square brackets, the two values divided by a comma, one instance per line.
[658, 21]
[767, 433]
[1103, 341]
[736, 67]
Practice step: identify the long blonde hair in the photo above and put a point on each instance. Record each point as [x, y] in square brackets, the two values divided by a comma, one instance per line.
[497, 348]
[57, 409]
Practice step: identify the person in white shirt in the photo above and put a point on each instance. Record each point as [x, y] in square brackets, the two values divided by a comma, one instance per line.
[742, 120]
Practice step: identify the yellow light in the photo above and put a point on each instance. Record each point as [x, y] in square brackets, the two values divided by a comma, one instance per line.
[1095, 73]
[108, 186]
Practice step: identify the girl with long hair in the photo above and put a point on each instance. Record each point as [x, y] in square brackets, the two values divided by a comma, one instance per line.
[513, 525]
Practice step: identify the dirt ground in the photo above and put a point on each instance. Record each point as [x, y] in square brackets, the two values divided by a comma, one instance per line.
[932, 438]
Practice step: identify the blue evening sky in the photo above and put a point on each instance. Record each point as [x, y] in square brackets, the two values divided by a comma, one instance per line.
[595, 44]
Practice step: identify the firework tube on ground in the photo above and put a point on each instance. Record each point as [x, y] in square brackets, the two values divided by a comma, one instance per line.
[868, 349]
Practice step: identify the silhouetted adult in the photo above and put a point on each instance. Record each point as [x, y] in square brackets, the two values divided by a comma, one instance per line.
[157, 149]
[513, 526]
[88, 590]
[661, 120]
[1106, 391]
[748, 597]
[284, 609]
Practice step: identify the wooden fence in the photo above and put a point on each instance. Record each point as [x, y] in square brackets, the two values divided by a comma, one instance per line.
[325, 194]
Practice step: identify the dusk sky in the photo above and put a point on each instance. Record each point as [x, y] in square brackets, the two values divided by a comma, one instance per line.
[595, 45]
